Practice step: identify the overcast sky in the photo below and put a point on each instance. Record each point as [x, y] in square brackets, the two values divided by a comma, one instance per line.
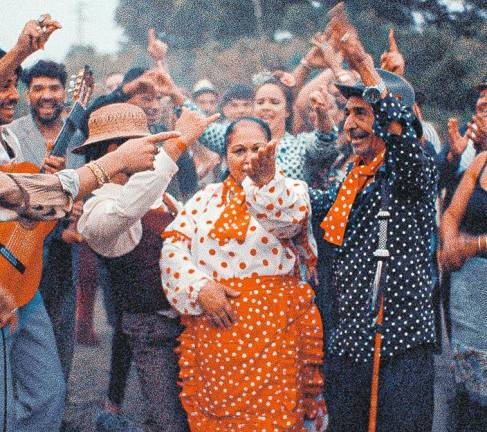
[99, 27]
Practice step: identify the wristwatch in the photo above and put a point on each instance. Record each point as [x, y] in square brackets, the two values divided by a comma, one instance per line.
[372, 94]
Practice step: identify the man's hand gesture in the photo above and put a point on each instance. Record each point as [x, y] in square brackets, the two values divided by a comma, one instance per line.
[192, 124]
[155, 47]
[392, 60]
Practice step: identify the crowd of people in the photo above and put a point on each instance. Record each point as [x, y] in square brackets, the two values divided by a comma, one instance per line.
[279, 257]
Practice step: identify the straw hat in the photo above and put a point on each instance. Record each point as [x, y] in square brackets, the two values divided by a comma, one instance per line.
[115, 121]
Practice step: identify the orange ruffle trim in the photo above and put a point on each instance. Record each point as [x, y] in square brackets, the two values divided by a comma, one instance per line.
[264, 373]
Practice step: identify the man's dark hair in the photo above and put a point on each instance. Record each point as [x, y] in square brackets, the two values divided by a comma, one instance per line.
[18, 69]
[45, 68]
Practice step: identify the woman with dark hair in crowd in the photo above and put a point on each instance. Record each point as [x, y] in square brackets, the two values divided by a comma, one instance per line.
[464, 251]
[251, 352]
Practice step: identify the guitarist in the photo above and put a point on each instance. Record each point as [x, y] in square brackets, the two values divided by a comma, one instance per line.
[40, 384]
[35, 132]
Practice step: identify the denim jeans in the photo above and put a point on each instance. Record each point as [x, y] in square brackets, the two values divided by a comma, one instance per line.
[35, 385]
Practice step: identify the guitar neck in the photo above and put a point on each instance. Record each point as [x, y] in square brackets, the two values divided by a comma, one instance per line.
[73, 122]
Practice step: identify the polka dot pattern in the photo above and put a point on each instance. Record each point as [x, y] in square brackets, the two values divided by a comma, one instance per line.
[408, 313]
[335, 222]
[191, 255]
[262, 374]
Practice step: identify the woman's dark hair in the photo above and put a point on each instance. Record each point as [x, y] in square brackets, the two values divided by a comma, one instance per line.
[231, 127]
[288, 96]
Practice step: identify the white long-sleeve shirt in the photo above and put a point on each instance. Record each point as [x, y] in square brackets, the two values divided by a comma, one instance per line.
[111, 220]
[191, 258]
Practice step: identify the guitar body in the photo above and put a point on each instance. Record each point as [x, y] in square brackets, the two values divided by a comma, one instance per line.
[21, 247]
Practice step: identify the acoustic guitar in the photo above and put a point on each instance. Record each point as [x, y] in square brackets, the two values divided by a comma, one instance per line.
[21, 243]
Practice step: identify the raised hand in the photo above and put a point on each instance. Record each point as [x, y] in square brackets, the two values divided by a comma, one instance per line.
[457, 142]
[138, 154]
[155, 47]
[213, 298]
[192, 124]
[323, 55]
[153, 82]
[392, 60]
[322, 103]
[35, 34]
[261, 168]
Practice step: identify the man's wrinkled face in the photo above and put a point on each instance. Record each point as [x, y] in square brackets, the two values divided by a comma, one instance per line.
[46, 99]
[207, 102]
[9, 96]
[358, 127]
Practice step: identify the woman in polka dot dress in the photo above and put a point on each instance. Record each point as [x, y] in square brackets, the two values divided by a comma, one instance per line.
[251, 354]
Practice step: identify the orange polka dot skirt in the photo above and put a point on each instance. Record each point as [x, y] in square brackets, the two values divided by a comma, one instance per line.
[262, 374]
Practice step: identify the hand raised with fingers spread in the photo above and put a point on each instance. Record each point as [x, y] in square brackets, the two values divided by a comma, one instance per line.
[392, 60]
[192, 124]
[457, 142]
[213, 298]
[261, 168]
[35, 34]
[155, 47]
[138, 154]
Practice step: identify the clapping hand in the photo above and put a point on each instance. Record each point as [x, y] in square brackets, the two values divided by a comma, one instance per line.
[321, 102]
[343, 35]
[392, 60]
[261, 168]
[457, 142]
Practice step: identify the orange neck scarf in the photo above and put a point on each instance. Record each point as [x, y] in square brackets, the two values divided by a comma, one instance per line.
[336, 220]
[234, 221]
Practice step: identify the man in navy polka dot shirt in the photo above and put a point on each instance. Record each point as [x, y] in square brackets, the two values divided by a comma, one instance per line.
[384, 134]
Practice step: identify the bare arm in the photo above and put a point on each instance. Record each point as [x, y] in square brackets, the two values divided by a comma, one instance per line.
[457, 247]
[32, 38]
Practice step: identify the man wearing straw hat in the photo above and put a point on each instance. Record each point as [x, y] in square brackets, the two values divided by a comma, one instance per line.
[380, 219]
[122, 223]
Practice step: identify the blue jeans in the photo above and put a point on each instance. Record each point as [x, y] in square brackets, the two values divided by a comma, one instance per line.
[33, 369]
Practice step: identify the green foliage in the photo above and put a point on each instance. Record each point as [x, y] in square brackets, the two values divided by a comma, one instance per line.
[445, 49]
